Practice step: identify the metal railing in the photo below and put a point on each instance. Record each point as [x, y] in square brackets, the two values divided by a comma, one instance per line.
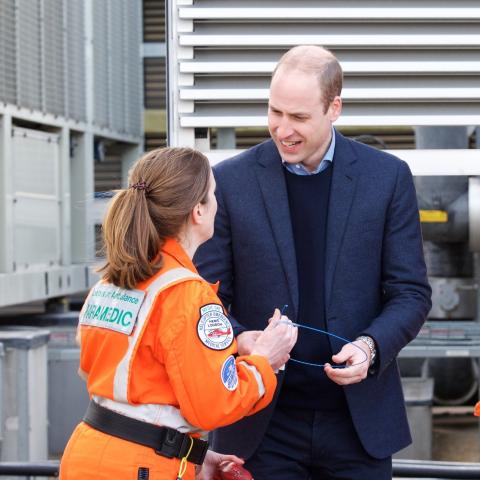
[401, 469]
[48, 468]
[437, 470]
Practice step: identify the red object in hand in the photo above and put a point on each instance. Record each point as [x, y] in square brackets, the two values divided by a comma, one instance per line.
[232, 471]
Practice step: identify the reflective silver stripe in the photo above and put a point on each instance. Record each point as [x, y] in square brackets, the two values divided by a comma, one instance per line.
[176, 275]
[258, 378]
[163, 415]
[78, 335]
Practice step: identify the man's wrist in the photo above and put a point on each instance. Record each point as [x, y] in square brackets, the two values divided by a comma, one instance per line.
[238, 329]
[371, 346]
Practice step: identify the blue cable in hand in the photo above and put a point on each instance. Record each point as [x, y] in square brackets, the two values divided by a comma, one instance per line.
[319, 330]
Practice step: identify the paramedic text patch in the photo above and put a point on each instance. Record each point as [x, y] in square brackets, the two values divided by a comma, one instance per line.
[112, 307]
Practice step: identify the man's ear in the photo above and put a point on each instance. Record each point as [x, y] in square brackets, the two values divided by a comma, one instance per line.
[335, 109]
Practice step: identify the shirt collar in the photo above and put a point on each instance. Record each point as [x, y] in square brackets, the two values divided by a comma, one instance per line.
[299, 169]
[173, 248]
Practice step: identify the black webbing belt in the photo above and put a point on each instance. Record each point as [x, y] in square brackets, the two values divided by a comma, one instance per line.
[166, 441]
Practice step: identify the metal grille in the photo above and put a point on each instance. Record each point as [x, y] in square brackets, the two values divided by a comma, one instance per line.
[133, 69]
[29, 54]
[43, 61]
[42, 54]
[155, 82]
[116, 65]
[155, 140]
[406, 62]
[7, 52]
[108, 173]
[54, 66]
[100, 63]
[75, 60]
[153, 21]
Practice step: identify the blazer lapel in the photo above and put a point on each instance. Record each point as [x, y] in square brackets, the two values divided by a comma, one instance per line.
[271, 178]
[342, 191]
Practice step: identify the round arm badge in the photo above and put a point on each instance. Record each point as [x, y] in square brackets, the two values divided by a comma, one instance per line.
[229, 374]
[214, 328]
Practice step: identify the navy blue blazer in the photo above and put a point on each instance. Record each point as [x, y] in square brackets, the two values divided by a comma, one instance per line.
[375, 275]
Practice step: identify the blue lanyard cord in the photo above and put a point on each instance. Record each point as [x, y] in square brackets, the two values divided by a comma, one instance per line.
[319, 330]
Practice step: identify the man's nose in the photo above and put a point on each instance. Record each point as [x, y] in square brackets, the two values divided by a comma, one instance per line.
[284, 128]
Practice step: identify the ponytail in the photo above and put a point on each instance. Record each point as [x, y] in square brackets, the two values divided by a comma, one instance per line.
[165, 185]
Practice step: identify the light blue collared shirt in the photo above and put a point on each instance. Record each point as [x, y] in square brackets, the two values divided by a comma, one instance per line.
[299, 169]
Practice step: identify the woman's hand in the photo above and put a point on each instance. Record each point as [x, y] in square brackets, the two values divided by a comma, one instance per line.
[277, 340]
[246, 341]
[214, 464]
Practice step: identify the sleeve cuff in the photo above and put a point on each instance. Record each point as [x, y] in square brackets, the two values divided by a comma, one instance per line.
[268, 378]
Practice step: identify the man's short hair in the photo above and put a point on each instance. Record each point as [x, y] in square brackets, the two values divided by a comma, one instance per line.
[319, 61]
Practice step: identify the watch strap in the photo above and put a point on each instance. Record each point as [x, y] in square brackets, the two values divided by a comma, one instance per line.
[371, 346]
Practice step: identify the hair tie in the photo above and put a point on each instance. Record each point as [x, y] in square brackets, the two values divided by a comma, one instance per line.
[139, 186]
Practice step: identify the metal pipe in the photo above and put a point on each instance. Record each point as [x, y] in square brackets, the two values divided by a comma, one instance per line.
[48, 468]
[401, 469]
[437, 470]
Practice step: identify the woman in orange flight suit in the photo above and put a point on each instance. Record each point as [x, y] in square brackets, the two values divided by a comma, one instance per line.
[157, 349]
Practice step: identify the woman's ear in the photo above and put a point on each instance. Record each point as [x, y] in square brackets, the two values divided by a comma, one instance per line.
[197, 214]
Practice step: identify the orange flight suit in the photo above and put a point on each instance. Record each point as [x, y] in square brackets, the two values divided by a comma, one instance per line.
[176, 368]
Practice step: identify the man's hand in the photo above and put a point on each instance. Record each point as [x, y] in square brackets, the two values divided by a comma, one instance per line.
[350, 355]
[214, 464]
[246, 341]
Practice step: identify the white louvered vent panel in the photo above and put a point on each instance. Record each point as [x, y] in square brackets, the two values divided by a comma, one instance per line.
[29, 54]
[54, 65]
[8, 77]
[406, 62]
[101, 63]
[116, 65]
[75, 60]
[133, 68]
[36, 212]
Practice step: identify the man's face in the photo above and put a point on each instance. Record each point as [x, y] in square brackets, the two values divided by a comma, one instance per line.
[297, 122]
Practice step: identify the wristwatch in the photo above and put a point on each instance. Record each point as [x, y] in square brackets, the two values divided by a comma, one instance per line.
[371, 346]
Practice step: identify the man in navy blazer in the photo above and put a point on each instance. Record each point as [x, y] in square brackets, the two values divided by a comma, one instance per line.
[329, 227]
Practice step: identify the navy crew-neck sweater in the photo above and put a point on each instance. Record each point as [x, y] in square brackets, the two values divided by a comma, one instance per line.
[306, 386]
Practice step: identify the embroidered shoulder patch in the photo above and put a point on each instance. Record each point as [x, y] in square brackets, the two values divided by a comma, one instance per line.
[112, 307]
[229, 373]
[214, 328]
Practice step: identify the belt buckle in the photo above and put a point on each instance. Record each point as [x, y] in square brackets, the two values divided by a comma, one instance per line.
[198, 449]
[169, 447]
[187, 441]
[203, 451]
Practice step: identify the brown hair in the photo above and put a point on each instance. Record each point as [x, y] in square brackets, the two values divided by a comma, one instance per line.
[319, 61]
[165, 185]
